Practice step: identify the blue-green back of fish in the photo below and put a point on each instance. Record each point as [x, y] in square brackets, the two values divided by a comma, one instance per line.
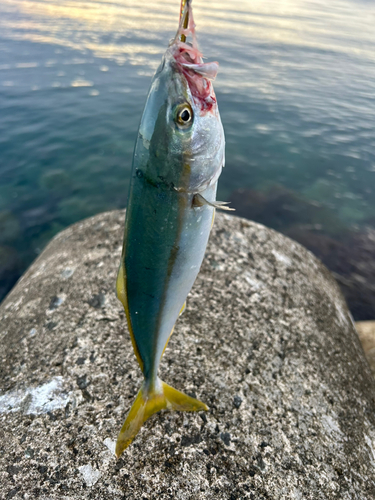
[164, 245]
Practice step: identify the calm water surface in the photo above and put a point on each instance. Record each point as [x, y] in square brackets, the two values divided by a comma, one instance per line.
[296, 91]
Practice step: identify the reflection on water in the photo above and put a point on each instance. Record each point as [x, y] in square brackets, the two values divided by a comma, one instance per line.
[296, 91]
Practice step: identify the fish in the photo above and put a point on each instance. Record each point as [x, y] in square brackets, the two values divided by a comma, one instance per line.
[178, 158]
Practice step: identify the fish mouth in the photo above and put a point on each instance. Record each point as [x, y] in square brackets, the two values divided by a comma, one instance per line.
[189, 59]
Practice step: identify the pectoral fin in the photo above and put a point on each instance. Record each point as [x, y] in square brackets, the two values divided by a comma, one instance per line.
[199, 201]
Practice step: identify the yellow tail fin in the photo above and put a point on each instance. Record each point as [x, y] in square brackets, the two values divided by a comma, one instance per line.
[161, 397]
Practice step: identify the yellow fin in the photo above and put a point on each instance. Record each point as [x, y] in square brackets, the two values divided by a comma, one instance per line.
[147, 403]
[177, 400]
[143, 407]
[183, 308]
[120, 286]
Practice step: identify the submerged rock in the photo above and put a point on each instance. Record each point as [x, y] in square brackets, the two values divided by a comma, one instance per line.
[282, 208]
[266, 341]
[9, 227]
[348, 254]
[10, 269]
[351, 259]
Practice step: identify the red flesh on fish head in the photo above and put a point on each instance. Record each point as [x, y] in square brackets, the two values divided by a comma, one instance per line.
[197, 73]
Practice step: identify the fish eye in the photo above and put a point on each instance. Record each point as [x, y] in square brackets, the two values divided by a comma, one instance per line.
[184, 115]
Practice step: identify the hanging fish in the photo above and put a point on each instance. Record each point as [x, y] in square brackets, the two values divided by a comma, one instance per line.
[178, 158]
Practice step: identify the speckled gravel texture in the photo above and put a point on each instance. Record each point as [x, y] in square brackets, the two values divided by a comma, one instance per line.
[266, 341]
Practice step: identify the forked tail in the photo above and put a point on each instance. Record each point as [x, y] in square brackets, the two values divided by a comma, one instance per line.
[148, 402]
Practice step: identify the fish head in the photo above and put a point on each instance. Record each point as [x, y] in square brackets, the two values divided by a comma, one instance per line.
[181, 127]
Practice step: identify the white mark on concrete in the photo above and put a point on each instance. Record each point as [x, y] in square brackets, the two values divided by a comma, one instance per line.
[110, 444]
[297, 494]
[282, 258]
[36, 400]
[97, 254]
[56, 303]
[256, 284]
[90, 475]
[67, 273]
[331, 426]
[240, 238]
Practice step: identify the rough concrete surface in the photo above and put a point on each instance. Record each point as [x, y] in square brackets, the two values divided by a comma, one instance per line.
[266, 341]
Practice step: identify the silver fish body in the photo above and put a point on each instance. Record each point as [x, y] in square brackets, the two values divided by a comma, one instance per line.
[178, 158]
